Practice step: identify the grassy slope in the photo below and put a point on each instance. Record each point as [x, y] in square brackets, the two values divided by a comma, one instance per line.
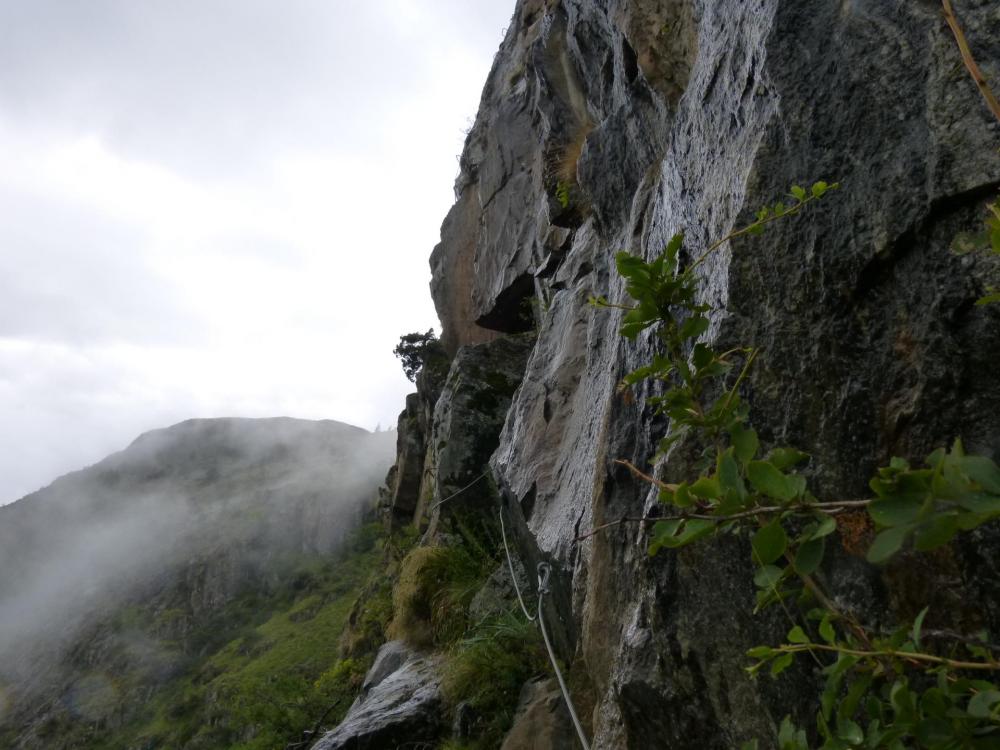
[269, 665]
[264, 669]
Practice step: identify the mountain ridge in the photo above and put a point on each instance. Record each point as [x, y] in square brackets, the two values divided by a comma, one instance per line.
[185, 520]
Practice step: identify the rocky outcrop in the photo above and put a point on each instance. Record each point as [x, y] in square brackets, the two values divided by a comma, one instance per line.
[399, 704]
[468, 418]
[541, 722]
[610, 126]
[406, 479]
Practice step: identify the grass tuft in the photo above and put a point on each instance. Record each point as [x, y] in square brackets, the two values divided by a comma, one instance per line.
[486, 671]
[431, 598]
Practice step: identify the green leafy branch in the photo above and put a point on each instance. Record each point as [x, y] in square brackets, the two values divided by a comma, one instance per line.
[740, 489]
[985, 241]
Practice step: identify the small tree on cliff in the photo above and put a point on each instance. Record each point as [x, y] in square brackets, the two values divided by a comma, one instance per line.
[416, 350]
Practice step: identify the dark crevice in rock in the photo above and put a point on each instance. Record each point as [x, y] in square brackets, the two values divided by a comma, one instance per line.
[878, 269]
[511, 312]
[527, 502]
[630, 62]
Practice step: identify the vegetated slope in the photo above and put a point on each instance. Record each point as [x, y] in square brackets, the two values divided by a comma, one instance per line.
[147, 600]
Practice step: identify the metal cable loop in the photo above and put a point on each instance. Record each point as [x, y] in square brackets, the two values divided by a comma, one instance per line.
[544, 573]
[510, 565]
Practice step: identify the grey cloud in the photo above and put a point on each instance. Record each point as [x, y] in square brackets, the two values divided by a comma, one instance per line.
[213, 91]
[67, 274]
[211, 86]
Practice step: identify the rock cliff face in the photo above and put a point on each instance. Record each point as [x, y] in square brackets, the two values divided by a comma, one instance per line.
[608, 126]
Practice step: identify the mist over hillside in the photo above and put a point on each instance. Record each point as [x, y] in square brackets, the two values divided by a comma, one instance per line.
[185, 520]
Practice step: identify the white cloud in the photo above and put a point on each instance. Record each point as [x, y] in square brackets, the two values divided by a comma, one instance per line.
[219, 208]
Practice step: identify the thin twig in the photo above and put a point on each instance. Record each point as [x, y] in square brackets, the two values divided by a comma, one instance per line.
[907, 655]
[830, 509]
[600, 302]
[779, 598]
[619, 522]
[816, 590]
[743, 374]
[969, 60]
[645, 477]
[953, 636]
[791, 211]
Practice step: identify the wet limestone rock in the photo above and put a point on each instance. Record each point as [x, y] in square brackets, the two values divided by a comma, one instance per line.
[467, 421]
[400, 703]
[542, 721]
[409, 480]
[653, 117]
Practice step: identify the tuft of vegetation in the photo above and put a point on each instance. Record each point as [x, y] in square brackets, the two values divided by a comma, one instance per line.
[986, 241]
[562, 167]
[432, 594]
[419, 350]
[486, 671]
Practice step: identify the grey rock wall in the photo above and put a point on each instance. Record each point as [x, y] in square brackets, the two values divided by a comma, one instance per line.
[399, 704]
[654, 117]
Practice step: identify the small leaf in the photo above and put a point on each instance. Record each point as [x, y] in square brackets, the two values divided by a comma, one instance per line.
[981, 704]
[780, 664]
[809, 556]
[826, 527]
[789, 738]
[770, 542]
[826, 631]
[967, 242]
[888, 543]
[895, 510]
[819, 189]
[798, 192]
[980, 503]
[745, 442]
[673, 248]
[694, 326]
[936, 457]
[938, 531]
[917, 624]
[797, 484]
[768, 576]
[672, 534]
[707, 488]
[855, 693]
[729, 477]
[682, 496]
[850, 732]
[768, 480]
[701, 356]
[782, 458]
[983, 472]
[901, 699]
[761, 652]
[797, 635]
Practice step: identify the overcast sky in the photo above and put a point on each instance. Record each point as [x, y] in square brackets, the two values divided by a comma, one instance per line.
[219, 208]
